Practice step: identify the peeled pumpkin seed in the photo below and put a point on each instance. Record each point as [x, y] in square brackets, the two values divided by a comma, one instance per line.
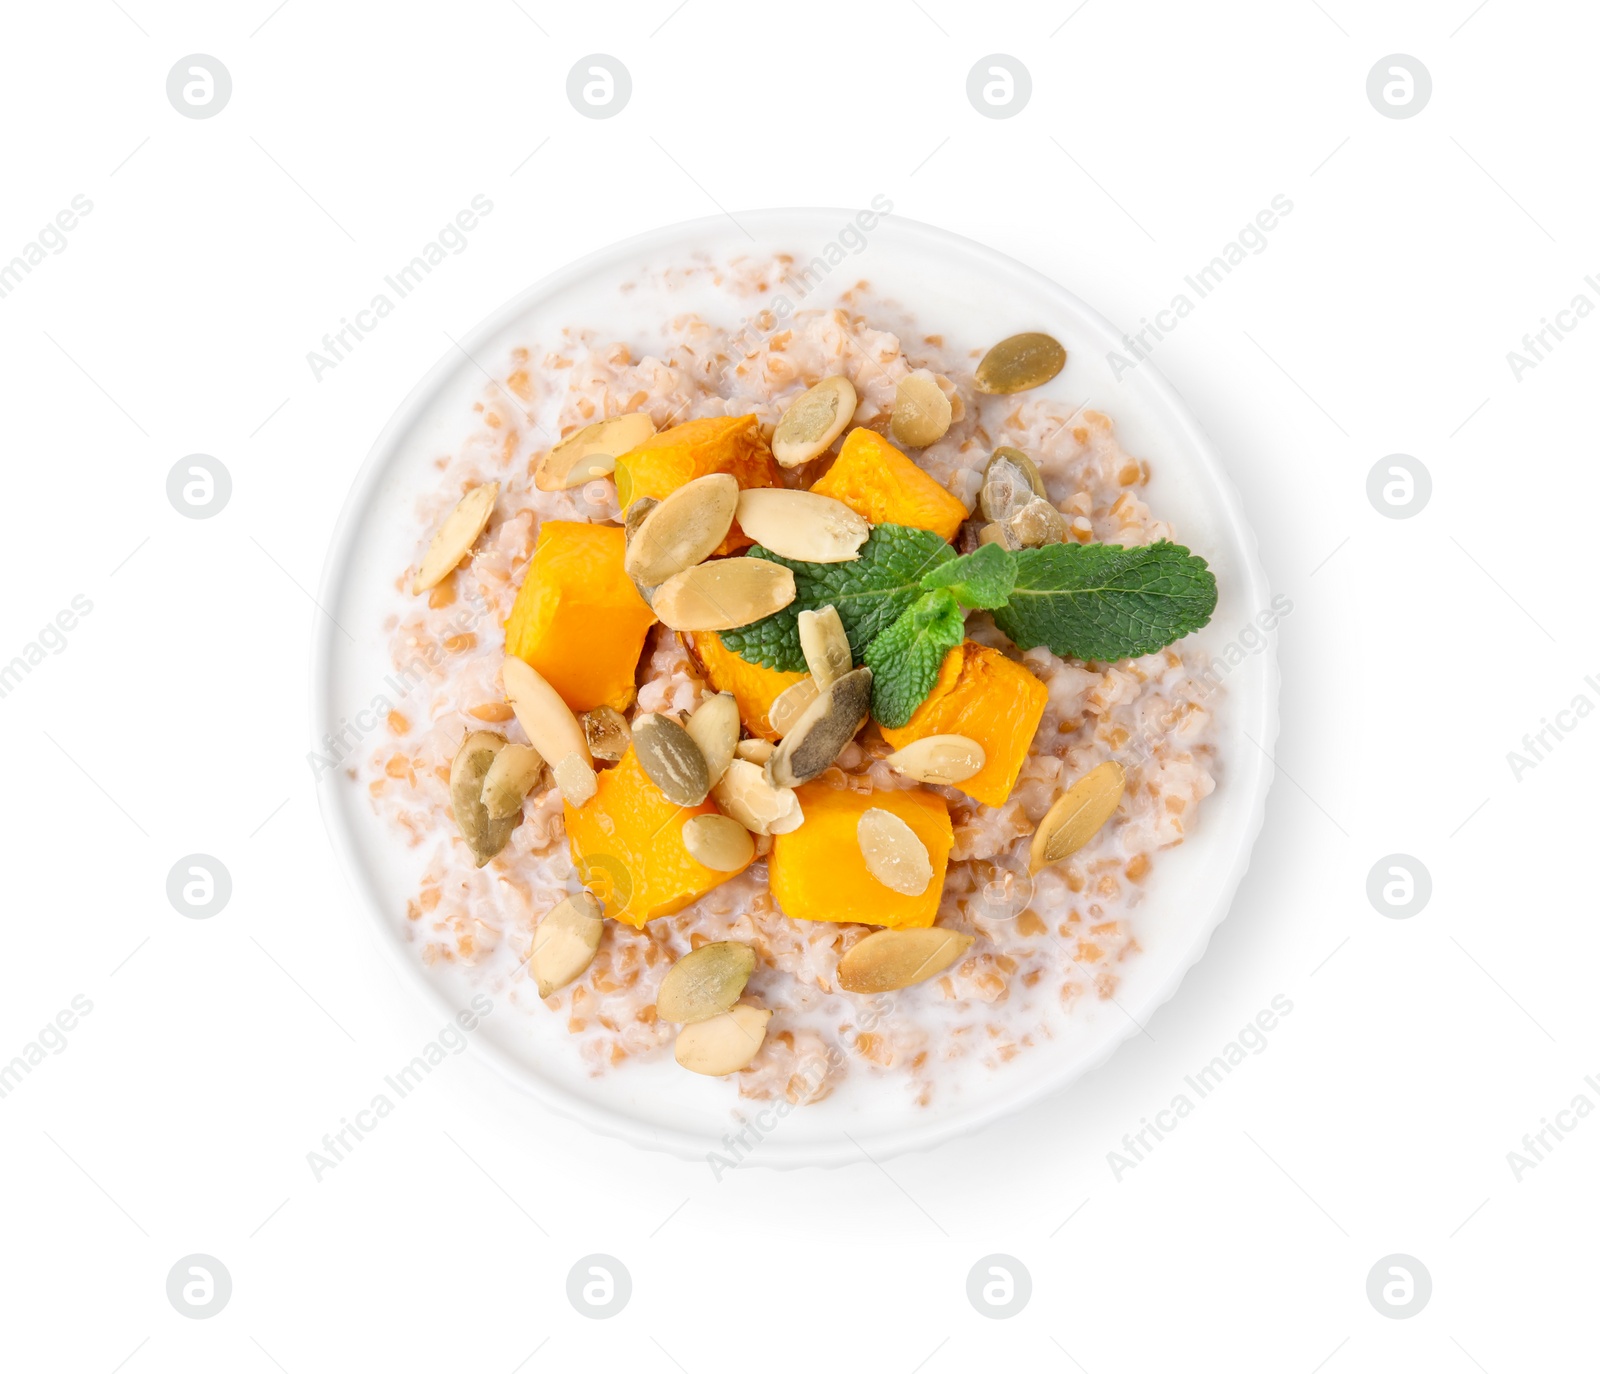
[998, 532]
[825, 645]
[1036, 524]
[1018, 363]
[565, 942]
[1010, 481]
[943, 760]
[682, 529]
[921, 410]
[671, 759]
[592, 452]
[714, 726]
[510, 778]
[546, 719]
[606, 731]
[456, 536]
[814, 419]
[891, 959]
[485, 835]
[802, 525]
[1076, 815]
[718, 842]
[706, 982]
[724, 1044]
[575, 779]
[723, 594]
[754, 750]
[749, 797]
[790, 704]
[829, 723]
[895, 854]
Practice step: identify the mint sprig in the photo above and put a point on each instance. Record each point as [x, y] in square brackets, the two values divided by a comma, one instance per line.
[1106, 602]
[905, 659]
[870, 593]
[980, 581]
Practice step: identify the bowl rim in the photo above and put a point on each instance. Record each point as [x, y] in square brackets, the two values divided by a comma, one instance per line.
[1256, 771]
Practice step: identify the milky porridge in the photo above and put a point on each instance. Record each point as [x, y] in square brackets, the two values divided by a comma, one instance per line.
[1042, 942]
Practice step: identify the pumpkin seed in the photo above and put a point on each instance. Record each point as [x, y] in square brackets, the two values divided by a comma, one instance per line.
[746, 794]
[1018, 363]
[754, 750]
[714, 726]
[456, 536]
[1036, 524]
[1009, 481]
[921, 410]
[510, 778]
[1077, 814]
[545, 718]
[718, 842]
[485, 835]
[682, 529]
[829, 723]
[724, 1044]
[565, 942]
[605, 730]
[630, 525]
[895, 853]
[575, 780]
[706, 982]
[891, 959]
[802, 525]
[671, 759]
[723, 594]
[813, 420]
[592, 452]
[943, 760]
[790, 704]
[825, 645]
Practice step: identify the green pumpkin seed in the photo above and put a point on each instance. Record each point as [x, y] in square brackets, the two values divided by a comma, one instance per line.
[1010, 481]
[1019, 363]
[606, 730]
[705, 982]
[828, 724]
[485, 835]
[671, 759]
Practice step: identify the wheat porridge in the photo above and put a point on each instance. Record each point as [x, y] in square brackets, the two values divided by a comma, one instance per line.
[841, 659]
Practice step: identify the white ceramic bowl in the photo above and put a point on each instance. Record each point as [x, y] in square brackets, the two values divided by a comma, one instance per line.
[972, 296]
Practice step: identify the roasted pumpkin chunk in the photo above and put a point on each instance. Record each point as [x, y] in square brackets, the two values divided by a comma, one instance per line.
[718, 443]
[755, 688]
[627, 845]
[982, 694]
[578, 620]
[818, 872]
[877, 481]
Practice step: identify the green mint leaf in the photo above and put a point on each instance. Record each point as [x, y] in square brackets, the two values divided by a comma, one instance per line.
[980, 580]
[869, 593]
[905, 659]
[1106, 602]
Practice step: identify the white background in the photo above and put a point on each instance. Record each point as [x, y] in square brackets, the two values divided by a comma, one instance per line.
[218, 1052]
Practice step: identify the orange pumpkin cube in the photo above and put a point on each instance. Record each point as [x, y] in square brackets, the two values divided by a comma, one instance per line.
[882, 485]
[627, 845]
[982, 694]
[717, 443]
[818, 872]
[578, 620]
[755, 688]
